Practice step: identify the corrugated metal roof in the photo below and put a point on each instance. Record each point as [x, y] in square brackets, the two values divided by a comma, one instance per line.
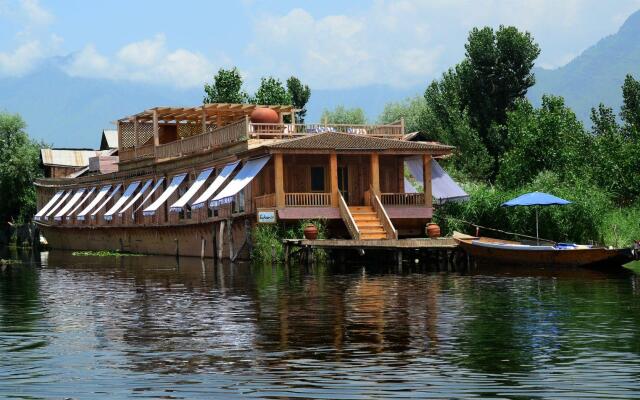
[68, 157]
[109, 139]
[345, 141]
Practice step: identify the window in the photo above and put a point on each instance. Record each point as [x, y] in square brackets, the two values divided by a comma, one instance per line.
[317, 179]
[238, 203]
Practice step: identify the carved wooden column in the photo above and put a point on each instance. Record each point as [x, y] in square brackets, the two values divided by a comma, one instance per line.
[426, 172]
[279, 179]
[375, 172]
[333, 175]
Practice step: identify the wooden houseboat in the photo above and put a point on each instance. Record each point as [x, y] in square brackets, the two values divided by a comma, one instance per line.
[194, 181]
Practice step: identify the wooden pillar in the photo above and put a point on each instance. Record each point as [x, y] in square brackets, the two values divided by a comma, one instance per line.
[375, 173]
[426, 171]
[333, 174]
[204, 120]
[156, 132]
[279, 178]
[293, 121]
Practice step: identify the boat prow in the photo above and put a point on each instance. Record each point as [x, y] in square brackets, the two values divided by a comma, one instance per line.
[499, 251]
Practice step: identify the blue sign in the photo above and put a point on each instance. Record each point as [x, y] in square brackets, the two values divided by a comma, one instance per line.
[267, 217]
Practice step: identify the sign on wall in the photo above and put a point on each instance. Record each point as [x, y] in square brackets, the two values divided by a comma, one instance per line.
[267, 217]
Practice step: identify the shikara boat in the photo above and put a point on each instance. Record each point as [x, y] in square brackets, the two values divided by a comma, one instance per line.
[499, 251]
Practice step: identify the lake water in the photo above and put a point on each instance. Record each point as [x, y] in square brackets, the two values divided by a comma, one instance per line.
[147, 327]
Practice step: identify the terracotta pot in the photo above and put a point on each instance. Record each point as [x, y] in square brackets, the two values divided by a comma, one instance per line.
[433, 230]
[263, 115]
[310, 232]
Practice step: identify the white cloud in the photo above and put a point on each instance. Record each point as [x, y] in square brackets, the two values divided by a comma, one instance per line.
[147, 61]
[21, 60]
[35, 13]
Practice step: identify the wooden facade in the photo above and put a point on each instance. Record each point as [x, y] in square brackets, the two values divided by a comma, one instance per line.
[351, 175]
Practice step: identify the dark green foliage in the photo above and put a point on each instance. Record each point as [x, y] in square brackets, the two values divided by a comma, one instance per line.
[494, 74]
[226, 88]
[630, 109]
[549, 138]
[299, 95]
[19, 167]
[580, 221]
[267, 239]
[271, 92]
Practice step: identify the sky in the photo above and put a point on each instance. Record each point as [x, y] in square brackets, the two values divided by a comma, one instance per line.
[328, 44]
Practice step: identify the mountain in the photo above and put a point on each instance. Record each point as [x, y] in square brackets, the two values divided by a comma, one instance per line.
[71, 112]
[67, 111]
[597, 74]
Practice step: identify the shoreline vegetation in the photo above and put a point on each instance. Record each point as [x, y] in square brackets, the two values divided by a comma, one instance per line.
[504, 147]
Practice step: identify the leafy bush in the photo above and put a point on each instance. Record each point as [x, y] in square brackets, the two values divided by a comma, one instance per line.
[267, 239]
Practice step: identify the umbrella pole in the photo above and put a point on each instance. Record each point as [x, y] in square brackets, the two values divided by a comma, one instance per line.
[537, 234]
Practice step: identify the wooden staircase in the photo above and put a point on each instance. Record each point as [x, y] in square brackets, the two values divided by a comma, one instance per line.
[368, 223]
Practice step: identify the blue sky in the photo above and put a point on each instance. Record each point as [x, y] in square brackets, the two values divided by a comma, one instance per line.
[329, 44]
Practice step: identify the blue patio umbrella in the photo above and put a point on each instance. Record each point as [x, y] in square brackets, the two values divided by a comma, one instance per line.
[536, 199]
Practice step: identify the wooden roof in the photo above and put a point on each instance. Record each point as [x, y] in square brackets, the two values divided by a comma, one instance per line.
[224, 110]
[335, 141]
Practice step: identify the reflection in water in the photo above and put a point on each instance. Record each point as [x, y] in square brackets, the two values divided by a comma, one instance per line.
[90, 327]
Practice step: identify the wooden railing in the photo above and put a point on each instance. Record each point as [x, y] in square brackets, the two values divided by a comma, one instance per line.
[402, 199]
[227, 134]
[307, 199]
[279, 131]
[266, 201]
[145, 151]
[392, 233]
[352, 227]
[126, 155]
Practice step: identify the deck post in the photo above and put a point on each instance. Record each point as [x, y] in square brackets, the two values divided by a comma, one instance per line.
[137, 138]
[214, 243]
[333, 173]
[230, 235]
[426, 172]
[279, 178]
[220, 241]
[203, 243]
[156, 133]
[375, 173]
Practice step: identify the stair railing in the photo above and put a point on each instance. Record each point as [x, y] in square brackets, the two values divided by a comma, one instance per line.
[392, 233]
[347, 217]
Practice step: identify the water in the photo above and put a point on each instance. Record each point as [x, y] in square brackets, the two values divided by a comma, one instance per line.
[144, 327]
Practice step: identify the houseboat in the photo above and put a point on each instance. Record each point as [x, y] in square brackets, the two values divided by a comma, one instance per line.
[195, 181]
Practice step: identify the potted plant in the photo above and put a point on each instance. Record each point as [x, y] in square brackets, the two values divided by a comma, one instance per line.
[310, 231]
[433, 230]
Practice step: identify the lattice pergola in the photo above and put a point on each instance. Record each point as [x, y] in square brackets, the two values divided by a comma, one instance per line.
[190, 121]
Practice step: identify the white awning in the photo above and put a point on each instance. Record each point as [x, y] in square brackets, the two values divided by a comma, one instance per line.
[103, 192]
[215, 185]
[108, 216]
[249, 171]
[135, 198]
[149, 196]
[173, 186]
[200, 180]
[58, 204]
[104, 203]
[443, 188]
[81, 202]
[64, 210]
[49, 204]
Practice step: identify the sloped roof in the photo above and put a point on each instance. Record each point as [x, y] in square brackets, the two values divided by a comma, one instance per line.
[109, 139]
[346, 141]
[68, 157]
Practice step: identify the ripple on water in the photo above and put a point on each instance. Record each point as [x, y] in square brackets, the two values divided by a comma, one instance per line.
[146, 327]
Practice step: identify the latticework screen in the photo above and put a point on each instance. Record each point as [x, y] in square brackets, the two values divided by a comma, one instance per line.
[145, 132]
[127, 135]
[186, 130]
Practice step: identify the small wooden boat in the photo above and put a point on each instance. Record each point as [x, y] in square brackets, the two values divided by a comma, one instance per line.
[499, 251]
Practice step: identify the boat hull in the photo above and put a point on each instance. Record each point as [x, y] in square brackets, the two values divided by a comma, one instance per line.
[592, 257]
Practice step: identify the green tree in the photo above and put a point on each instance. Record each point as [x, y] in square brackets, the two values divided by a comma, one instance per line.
[447, 120]
[271, 92]
[630, 110]
[342, 115]
[299, 95]
[495, 73]
[411, 109]
[550, 138]
[19, 167]
[226, 88]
